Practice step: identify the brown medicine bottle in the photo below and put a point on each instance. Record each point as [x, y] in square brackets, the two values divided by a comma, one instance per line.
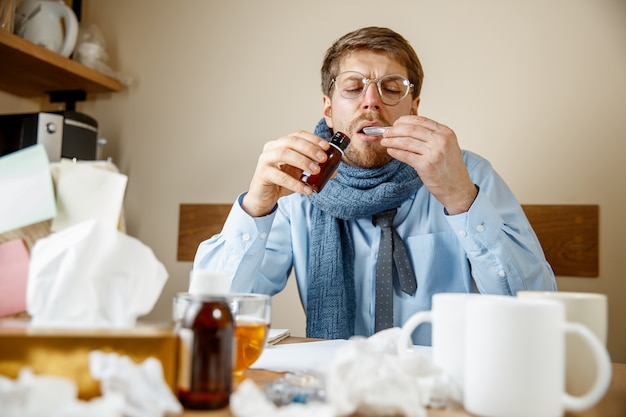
[206, 354]
[338, 143]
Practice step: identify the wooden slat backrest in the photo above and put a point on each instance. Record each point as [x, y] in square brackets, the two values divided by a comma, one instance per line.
[569, 237]
[568, 233]
[198, 222]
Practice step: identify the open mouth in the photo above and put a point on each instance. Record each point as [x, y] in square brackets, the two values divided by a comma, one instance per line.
[375, 130]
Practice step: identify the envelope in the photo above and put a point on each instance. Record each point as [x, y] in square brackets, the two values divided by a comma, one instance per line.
[14, 260]
[86, 192]
[26, 188]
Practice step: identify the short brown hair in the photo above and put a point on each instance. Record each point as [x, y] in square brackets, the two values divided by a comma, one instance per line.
[377, 39]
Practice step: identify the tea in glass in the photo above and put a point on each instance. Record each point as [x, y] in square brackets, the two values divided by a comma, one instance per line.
[252, 322]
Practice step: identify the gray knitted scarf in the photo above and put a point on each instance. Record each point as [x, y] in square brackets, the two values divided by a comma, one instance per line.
[354, 193]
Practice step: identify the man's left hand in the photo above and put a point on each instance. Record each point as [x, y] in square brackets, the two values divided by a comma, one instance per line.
[432, 149]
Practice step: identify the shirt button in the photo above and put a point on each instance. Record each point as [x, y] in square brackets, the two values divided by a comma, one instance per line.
[462, 233]
[263, 235]
[501, 274]
[245, 236]
[480, 228]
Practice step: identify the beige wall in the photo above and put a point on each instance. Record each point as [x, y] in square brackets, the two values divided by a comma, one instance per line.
[538, 87]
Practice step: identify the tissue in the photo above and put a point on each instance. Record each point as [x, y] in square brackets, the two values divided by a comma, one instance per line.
[367, 378]
[33, 395]
[91, 275]
[142, 386]
[128, 390]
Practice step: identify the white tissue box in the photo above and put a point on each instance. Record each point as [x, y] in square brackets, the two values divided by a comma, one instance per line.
[64, 352]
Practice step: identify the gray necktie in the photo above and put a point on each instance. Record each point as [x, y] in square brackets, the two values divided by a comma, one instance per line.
[391, 250]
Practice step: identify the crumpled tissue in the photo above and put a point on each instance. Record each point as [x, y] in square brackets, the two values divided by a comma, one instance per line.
[92, 275]
[367, 377]
[128, 390]
[142, 386]
[33, 395]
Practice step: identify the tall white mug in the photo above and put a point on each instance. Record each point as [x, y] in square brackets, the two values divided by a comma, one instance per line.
[515, 359]
[447, 317]
[591, 310]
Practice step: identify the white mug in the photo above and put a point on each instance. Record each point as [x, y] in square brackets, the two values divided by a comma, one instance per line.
[447, 317]
[591, 310]
[515, 359]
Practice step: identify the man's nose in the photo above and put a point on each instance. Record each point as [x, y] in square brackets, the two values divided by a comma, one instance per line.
[371, 96]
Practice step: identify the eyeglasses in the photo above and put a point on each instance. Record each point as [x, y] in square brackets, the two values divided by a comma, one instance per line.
[392, 88]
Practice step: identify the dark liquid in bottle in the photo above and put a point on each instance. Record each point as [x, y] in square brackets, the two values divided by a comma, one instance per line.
[339, 142]
[206, 355]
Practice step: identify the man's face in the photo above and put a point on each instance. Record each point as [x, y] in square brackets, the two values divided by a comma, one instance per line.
[351, 115]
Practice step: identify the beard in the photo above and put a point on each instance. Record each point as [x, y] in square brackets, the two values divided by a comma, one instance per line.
[366, 155]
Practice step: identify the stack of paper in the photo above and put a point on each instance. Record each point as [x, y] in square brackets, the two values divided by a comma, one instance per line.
[276, 335]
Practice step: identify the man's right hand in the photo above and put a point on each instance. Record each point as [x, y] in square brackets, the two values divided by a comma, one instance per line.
[279, 170]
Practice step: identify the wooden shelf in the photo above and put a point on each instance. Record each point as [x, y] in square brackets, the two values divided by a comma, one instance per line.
[29, 70]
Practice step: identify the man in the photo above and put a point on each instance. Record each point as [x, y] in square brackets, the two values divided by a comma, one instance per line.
[461, 226]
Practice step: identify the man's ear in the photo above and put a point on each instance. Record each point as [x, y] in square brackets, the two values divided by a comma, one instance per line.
[415, 105]
[328, 111]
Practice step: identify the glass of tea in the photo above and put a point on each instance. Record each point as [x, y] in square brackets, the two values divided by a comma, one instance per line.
[252, 314]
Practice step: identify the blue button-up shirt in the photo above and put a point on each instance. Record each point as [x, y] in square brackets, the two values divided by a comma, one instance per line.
[491, 248]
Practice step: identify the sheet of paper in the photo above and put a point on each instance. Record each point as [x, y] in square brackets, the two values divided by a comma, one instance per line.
[26, 189]
[293, 357]
[14, 260]
[85, 192]
[308, 356]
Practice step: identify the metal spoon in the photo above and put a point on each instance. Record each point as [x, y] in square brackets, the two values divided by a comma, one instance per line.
[375, 130]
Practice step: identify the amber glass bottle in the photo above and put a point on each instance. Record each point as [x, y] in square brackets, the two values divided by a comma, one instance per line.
[338, 143]
[205, 370]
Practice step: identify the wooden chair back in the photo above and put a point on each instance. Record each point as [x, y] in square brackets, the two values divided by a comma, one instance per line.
[568, 233]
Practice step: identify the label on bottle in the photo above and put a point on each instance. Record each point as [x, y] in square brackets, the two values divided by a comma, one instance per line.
[185, 358]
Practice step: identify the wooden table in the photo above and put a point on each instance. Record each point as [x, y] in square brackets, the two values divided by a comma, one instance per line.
[612, 405]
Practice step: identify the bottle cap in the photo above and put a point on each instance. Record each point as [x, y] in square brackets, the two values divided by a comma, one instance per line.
[341, 140]
[208, 282]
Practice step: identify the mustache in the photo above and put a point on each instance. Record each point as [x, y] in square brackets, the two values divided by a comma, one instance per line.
[372, 117]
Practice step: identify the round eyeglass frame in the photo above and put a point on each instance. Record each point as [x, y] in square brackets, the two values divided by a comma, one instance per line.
[366, 82]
